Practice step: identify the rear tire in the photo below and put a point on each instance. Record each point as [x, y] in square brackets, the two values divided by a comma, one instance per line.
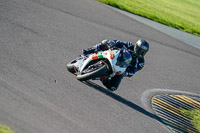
[93, 74]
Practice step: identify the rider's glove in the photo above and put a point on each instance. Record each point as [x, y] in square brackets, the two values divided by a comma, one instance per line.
[129, 44]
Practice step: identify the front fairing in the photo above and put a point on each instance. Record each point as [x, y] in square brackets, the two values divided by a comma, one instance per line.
[110, 55]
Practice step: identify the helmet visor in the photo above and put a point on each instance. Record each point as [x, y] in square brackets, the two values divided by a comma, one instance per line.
[140, 52]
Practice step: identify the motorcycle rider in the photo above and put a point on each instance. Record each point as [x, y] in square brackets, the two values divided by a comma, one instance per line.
[137, 50]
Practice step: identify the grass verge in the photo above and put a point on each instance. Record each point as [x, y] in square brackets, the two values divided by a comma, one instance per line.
[5, 129]
[194, 115]
[181, 14]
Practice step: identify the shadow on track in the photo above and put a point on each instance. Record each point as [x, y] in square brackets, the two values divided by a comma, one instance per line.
[122, 100]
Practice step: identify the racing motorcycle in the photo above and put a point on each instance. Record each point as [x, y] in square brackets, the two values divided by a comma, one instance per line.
[100, 65]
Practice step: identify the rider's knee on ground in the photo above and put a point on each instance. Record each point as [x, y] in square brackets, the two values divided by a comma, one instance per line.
[113, 83]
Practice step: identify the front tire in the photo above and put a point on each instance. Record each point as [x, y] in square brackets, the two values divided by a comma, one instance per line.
[93, 74]
[70, 66]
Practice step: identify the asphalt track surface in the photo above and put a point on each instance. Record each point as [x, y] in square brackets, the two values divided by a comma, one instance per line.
[37, 93]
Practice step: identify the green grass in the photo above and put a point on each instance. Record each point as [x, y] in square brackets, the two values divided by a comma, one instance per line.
[194, 115]
[5, 129]
[181, 14]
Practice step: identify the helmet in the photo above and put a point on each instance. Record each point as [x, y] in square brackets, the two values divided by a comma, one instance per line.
[141, 47]
[124, 58]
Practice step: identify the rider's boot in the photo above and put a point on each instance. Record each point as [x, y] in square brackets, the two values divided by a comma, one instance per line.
[88, 51]
[94, 49]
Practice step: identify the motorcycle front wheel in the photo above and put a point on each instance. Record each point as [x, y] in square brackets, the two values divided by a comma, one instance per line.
[92, 72]
[70, 66]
